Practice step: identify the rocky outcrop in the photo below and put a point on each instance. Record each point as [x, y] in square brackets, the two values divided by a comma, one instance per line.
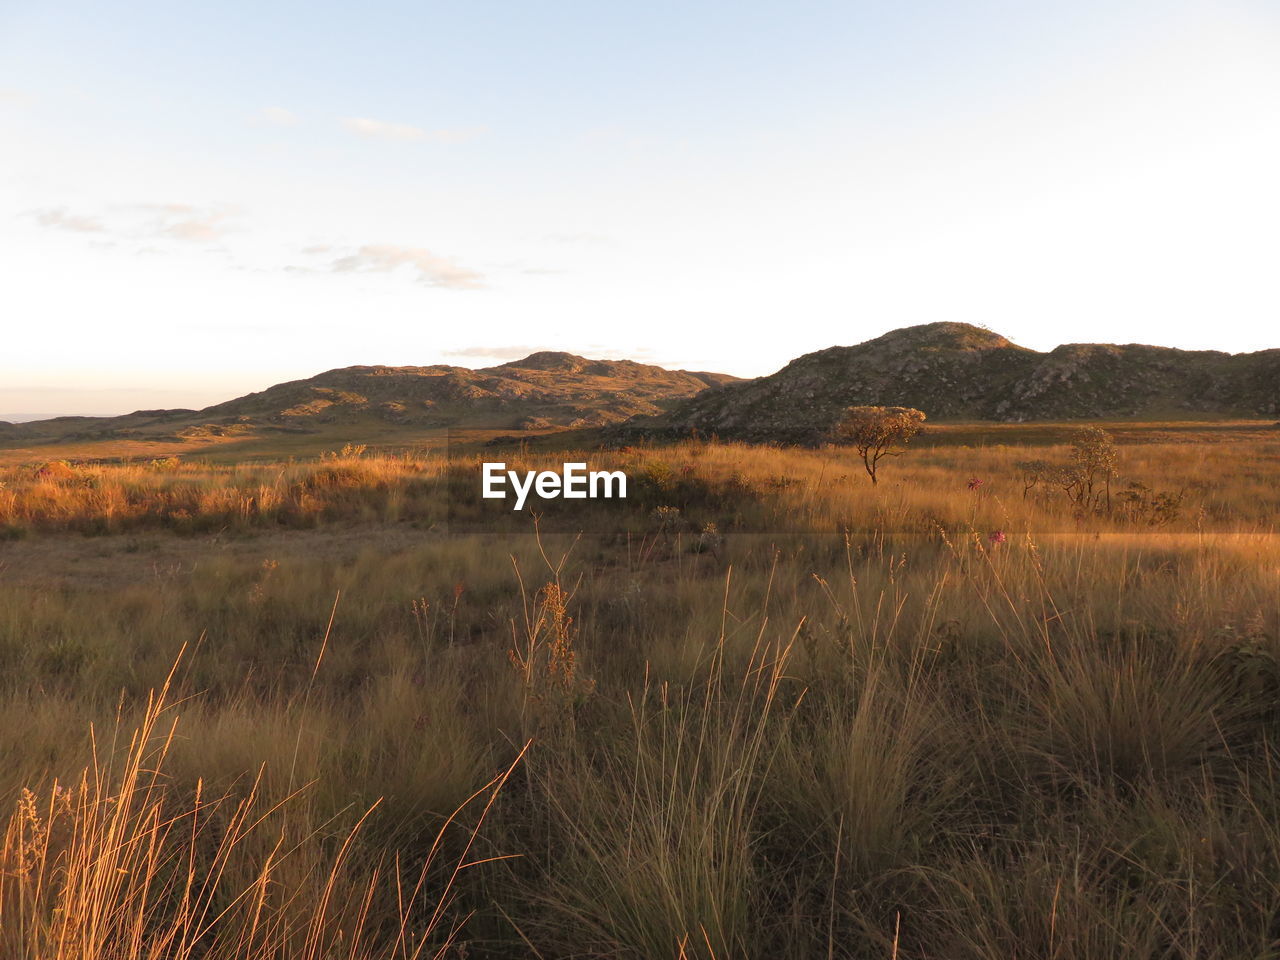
[959, 371]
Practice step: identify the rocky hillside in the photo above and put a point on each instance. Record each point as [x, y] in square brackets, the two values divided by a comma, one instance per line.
[958, 371]
[544, 391]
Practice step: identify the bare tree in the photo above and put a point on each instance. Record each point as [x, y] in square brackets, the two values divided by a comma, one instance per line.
[877, 432]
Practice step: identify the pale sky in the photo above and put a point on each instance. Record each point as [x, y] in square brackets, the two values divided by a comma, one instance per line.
[198, 200]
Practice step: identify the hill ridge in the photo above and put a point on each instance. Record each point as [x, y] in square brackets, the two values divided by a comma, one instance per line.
[547, 390]
[949, 369]
[956, 370]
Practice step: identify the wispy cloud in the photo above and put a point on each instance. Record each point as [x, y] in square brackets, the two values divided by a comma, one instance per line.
[60, 218]
[431, 269]
[145, 222]
[278, 117]
[181, 221]
[381, 130]
[496, 353]
[407, 133]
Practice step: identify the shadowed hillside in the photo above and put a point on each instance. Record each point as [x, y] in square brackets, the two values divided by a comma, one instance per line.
[959, 371]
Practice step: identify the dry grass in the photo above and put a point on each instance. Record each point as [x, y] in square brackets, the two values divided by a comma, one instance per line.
[118, 865]
[202, 498]
[1224, 487]
[849, 724]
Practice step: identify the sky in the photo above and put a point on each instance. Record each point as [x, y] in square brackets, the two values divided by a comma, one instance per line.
[199, 200]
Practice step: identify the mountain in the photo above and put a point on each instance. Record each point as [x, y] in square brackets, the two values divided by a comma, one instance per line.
[959, 371]
[949, 370]
[544, 391]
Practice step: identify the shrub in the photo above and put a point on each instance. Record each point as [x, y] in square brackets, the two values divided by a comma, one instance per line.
[55, 471]
[1085, 478]
[1155, 508]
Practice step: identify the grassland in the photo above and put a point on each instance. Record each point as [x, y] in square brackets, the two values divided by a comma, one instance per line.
[760, 710]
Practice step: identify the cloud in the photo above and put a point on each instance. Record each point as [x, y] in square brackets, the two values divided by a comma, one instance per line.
[146, 221]
[496, 353]
[278, 117]
[180, 221]
[432, 270]
[381, 130]
[61, 219]
[406, 133]
[10, 95]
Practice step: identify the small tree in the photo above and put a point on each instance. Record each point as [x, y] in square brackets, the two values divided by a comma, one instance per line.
[1093, 454]
[877, 432]
[1085, 478]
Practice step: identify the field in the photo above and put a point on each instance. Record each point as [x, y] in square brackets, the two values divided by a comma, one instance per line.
[332, 707]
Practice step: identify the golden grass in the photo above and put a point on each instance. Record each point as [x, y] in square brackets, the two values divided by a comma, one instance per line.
[850, 725]
[117, 864]
[197, 498]
[1224, 487]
